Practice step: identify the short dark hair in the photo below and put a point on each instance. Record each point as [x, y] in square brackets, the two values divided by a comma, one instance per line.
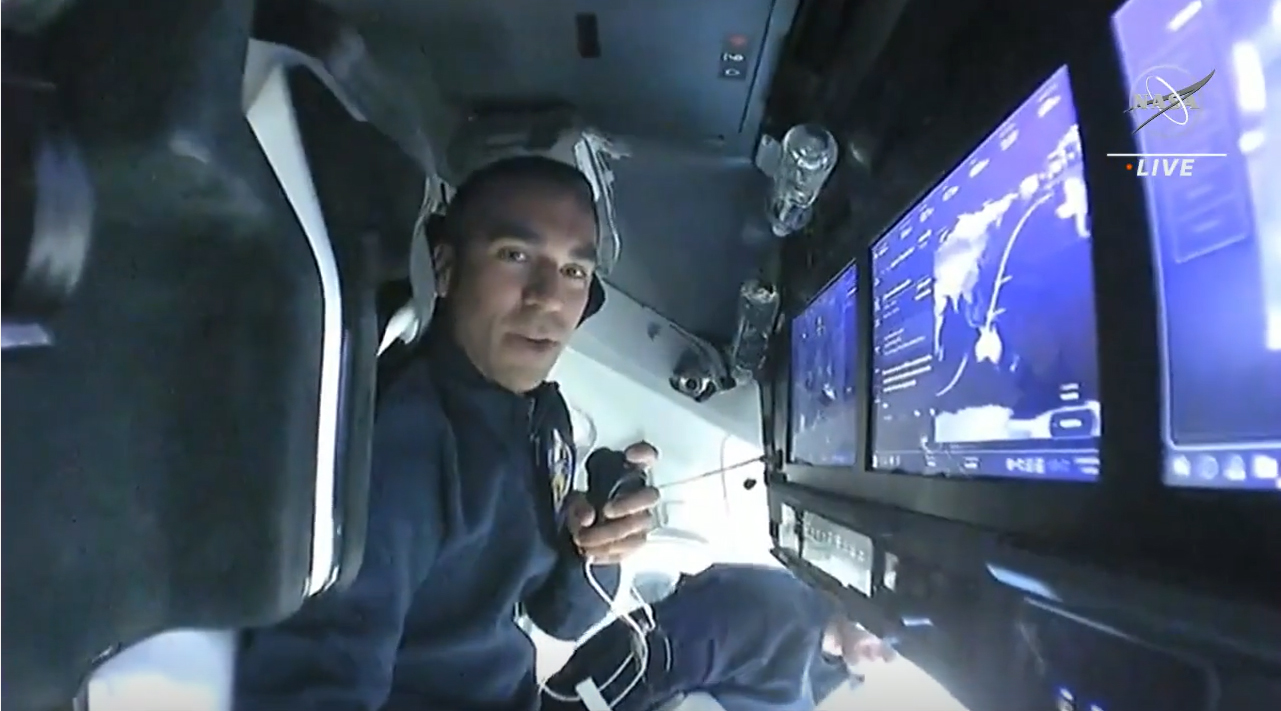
[484, 183]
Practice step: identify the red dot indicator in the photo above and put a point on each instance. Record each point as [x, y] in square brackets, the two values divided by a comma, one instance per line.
[737, 40]
[1129, 166]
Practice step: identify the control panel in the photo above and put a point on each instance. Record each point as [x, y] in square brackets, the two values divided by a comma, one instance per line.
[1006, 629]
[841, 552]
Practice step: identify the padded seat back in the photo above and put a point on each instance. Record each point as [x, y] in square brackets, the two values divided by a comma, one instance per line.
[352, 181]
[370, 193]
[190, 450]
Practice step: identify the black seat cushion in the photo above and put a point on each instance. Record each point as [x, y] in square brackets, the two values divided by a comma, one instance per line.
[160, 457]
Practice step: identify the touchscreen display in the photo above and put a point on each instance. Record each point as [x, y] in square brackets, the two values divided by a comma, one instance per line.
[1210, 162]
[824, 373]
[984, 346]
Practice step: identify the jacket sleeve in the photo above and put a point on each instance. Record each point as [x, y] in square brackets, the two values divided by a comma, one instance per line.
[567, 605]
[337, 653]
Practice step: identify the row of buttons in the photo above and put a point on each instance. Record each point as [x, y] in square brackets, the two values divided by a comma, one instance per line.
[1231, 467]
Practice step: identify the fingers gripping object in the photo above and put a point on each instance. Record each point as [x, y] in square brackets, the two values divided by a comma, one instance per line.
[610, 476]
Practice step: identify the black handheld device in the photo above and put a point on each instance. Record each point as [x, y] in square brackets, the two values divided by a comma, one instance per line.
[611, 476]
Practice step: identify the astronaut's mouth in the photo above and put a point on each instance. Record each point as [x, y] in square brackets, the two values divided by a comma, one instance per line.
[536, 344]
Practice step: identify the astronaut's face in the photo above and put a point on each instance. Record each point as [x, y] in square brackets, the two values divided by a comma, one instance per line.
[519, 283]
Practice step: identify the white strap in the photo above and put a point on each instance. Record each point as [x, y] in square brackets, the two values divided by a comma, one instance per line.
[422, 270]
[591, 697]
[403, 326]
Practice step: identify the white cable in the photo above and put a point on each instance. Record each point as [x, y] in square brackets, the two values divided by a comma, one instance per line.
[640, 650]
[640, 638]
[640, 635]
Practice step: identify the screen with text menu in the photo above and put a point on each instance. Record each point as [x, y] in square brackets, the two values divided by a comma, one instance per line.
[984, 346]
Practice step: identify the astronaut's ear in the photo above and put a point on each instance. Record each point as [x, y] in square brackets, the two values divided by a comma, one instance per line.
[595, 299]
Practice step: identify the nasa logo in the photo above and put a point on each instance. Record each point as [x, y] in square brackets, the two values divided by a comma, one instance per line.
[560, 466]
[1155, 94]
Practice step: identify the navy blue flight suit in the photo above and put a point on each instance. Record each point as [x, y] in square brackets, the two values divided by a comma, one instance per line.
[464, 527]
[750, 636]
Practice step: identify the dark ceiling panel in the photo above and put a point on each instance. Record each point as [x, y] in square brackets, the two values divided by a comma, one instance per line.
[650, 72]
[651, 68]
[691, 235]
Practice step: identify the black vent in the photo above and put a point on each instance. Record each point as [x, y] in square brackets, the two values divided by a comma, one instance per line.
[588, 35]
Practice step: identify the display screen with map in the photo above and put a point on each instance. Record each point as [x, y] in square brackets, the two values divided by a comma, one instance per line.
[1216, 231]
[824, 374]
[984, 348]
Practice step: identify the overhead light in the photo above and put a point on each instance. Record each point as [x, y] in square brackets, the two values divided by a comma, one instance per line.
[807, 156]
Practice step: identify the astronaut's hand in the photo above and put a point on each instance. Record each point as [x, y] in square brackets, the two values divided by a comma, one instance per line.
[623, 527]
[624, 523]
[868, 648]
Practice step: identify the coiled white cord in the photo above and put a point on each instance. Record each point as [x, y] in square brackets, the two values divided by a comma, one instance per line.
[640, 633]
[640, 647]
